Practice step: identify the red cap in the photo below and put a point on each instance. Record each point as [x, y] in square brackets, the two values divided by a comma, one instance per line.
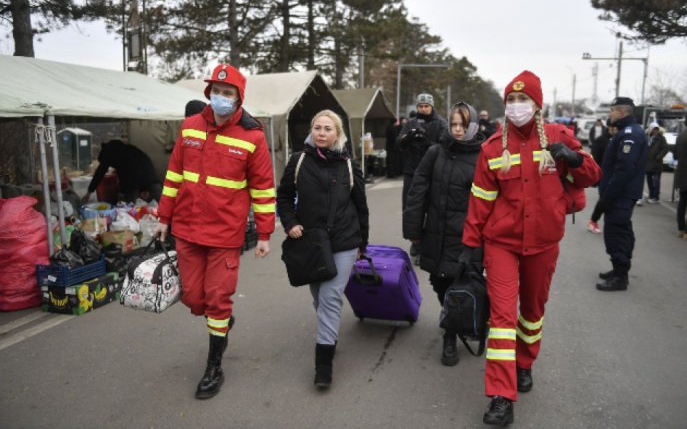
[528, 83]
[224, 73]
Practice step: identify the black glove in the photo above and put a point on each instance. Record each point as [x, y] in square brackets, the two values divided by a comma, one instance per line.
[561, 152]
[419, 133]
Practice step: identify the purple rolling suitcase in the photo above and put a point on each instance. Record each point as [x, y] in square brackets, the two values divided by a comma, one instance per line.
[384, 286]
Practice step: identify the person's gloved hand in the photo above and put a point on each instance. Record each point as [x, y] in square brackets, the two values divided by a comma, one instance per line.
[561, 152]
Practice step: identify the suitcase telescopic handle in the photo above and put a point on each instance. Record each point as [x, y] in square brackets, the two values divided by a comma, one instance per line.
[372, 279]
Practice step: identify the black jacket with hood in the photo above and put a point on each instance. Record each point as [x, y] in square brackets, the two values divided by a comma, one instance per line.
[437, 203]
[414, 146]
[316, 184]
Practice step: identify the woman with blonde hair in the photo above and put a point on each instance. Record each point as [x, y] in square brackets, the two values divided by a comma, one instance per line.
[322, 173]
[518, 202]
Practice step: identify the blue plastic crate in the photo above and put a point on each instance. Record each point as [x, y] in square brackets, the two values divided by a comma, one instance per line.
[58, 275]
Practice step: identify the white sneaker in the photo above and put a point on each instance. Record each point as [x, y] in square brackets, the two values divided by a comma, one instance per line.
[640, 202]
[593, 227]
[652, 201]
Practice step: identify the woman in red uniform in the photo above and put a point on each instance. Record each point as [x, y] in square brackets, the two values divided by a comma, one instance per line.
[517, 211]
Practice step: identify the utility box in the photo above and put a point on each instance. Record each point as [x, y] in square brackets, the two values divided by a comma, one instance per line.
[75, 148]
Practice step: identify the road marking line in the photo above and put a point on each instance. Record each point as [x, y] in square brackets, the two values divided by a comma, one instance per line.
[22, 321]
[28, 333]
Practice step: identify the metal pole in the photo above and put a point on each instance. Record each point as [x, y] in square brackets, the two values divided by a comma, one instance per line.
[646, 66]
[361, 69]
[573, 94]
[124, 35]
[620, 62]
[58, 182]
[40, 132]
[274, 159]
[398, 91]
[143, 40]
[448, 103]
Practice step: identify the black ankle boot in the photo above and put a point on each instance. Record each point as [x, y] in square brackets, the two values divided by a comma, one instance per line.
[524, 380]
[500, 412]
[613, 284]
[449, 353]
[214, 377]
[324, 357]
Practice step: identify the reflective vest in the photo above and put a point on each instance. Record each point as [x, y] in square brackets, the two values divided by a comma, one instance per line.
[215, 175]
[522, 210]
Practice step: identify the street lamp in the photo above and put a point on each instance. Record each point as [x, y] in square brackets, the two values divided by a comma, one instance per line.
[398, 83]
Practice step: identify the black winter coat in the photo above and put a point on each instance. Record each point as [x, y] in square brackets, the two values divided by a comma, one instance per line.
[680, 154]
[657, 150]
[317, 183]
[415, 148]
[134, 168]
[437, 202]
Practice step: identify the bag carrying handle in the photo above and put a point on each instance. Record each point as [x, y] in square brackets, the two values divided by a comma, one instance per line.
[164, 249]
[372, 279]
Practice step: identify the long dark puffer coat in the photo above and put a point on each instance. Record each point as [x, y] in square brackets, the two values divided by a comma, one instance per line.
[437, 202]
[658, 148]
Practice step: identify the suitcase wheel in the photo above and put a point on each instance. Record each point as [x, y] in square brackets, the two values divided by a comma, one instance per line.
[411, 320]
[358, 315]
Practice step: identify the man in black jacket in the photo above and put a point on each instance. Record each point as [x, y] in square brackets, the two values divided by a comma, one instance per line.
[137, 177]
[416, 136]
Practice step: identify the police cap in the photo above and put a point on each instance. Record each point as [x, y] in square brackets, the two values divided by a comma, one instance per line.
[622, 101]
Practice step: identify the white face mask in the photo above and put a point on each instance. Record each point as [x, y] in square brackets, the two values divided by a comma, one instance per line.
[519, 113]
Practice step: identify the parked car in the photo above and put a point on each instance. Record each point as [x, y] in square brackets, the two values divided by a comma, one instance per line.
[584, 124]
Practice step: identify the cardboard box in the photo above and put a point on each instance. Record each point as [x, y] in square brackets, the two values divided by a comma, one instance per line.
[82, 298]
[126, 238]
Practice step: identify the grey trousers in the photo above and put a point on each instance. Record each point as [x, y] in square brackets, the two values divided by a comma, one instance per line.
[328, 297]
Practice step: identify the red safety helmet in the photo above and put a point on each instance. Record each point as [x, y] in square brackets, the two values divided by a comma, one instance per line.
[224, 73]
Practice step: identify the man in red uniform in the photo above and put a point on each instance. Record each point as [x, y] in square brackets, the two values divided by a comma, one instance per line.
[517, 213]
[219, 169]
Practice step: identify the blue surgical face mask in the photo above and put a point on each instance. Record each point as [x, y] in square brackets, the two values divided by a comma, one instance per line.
[223, 106]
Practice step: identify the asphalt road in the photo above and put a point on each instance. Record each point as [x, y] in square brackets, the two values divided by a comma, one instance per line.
[608, 360]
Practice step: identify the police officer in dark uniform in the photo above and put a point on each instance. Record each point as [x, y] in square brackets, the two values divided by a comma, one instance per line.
[623, 166]
[416, 136]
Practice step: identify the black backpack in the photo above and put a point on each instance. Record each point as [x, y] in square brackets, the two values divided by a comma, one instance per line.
[466, 309]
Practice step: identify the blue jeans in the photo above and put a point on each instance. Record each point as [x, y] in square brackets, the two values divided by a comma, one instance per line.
[653, 181]
[328, 297]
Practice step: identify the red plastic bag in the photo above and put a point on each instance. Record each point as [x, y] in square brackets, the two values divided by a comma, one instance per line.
[23, 244]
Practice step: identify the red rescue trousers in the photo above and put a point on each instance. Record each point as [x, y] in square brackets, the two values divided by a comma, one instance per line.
[209, 276]
[514, 338]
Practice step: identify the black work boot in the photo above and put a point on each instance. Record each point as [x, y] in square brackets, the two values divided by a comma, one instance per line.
[214, 377]
[613, 284]
[606, 275]
[524, 379]
[449, 353]
[324, 357]
[500, 412]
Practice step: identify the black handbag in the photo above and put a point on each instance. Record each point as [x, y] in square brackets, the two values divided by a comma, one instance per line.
[309, 259]
[466, 308]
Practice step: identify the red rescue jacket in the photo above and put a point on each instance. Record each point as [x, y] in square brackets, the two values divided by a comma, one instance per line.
[214, 174]
[521, 210]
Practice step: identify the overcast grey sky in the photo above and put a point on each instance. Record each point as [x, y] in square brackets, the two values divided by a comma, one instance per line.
[500, 37]
[503, 37]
